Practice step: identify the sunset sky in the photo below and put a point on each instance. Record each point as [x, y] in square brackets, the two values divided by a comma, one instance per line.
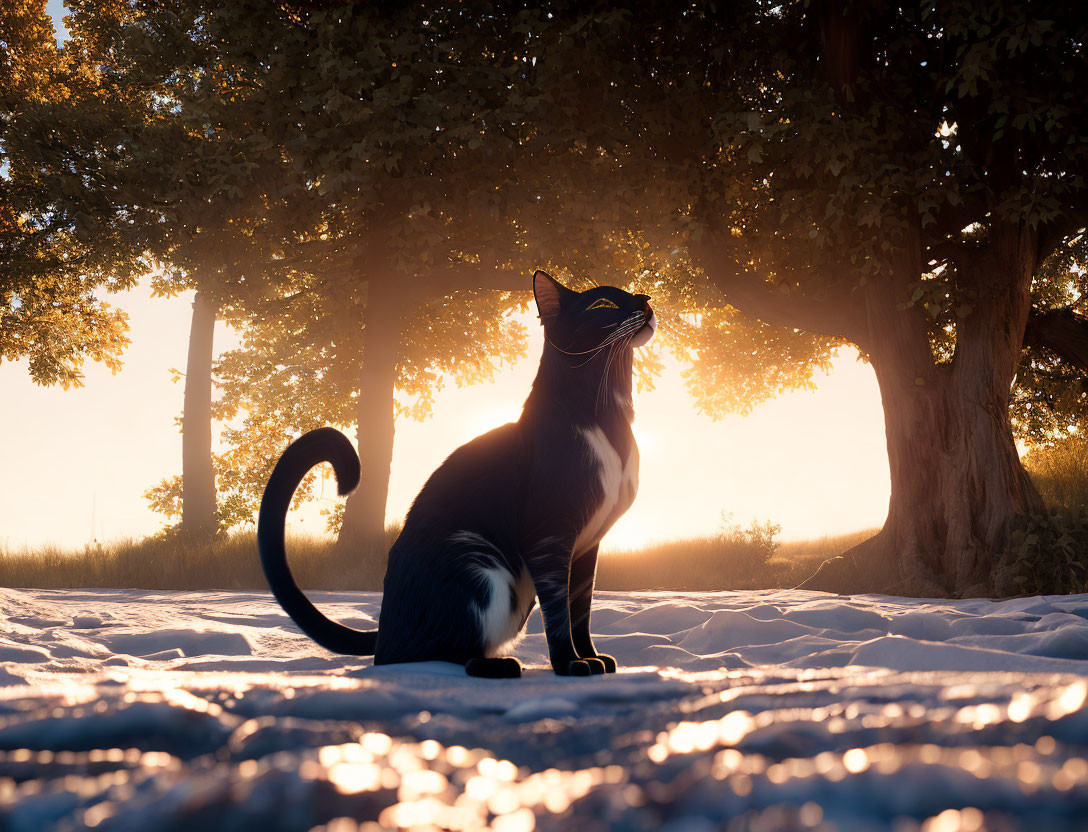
[814, 462]
[77, 462]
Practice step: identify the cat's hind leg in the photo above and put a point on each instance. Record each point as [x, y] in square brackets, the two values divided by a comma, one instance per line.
[502, 598]
[503, 667]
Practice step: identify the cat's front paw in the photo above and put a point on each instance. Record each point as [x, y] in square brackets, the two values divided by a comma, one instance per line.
[596, 666]
[608, 661]
[578, 667]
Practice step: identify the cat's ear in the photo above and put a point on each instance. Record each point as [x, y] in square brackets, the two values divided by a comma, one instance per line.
[549, 294]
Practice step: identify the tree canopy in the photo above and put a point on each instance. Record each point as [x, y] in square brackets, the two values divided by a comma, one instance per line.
[391, 138]
[58, 134]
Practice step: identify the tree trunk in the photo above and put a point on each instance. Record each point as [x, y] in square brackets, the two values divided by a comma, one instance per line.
[198, 476]
[364, 513]
[957, 485]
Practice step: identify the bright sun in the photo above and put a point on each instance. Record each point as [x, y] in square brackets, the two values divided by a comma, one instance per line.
[492, 418]
[629, 534]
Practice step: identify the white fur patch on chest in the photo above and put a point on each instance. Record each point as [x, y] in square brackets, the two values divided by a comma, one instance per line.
[619, 483]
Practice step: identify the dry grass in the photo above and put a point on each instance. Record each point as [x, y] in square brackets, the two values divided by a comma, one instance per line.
[820, 548]
[734, 559]
[696, 565]
[727, 561]
[1060, 472]
[170, 563]
[720, 562]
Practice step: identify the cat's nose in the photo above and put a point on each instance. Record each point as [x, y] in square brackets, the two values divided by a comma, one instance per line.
[645, 301]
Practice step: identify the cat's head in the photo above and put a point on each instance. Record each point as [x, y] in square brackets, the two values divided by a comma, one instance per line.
[580, 323]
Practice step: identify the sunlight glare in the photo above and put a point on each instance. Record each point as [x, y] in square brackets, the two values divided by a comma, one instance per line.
[630, 534]
[489, 419]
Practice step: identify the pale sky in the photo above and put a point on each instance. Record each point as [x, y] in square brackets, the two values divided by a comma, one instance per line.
[56, 10]
[78, 461]
[815, 462]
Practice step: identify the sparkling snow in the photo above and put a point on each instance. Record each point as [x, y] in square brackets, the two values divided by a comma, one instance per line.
[771, 710]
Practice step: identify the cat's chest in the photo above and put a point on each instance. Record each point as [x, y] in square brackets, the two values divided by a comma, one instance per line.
[617, 477]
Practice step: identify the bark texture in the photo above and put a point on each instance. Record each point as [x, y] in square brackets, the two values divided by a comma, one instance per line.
[364, 513]
[198, 518]
[957, 485]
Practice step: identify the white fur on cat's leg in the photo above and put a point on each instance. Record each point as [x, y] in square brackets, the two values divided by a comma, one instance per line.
[500, 622]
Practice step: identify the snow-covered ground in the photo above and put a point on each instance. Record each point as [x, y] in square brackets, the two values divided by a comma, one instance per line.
[734, 710]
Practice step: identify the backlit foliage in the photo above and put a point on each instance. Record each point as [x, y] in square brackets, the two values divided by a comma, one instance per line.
[59, 254]
[1050, 397]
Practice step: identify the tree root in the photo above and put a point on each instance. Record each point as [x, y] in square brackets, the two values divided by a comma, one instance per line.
[868, 569]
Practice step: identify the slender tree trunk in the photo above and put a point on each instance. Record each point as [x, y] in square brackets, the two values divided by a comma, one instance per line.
[957, 485]
[198, 476]
[364, 513]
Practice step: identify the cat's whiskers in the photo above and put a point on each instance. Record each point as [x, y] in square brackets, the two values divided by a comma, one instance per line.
[607, 343]
[635, 318]
[616, 348]
[616, 342]
[604, 376]
[625, 327]
[592, 355]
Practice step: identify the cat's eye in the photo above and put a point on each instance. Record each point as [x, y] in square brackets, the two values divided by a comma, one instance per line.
[602, 303]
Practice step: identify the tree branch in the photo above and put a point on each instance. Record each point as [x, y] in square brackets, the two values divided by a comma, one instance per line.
[836, 316]
[475, 276]
[1053, 234]
[1063, 332]
[951, 219]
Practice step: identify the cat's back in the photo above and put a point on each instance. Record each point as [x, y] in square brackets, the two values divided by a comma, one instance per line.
[499, 454]
[479, 481]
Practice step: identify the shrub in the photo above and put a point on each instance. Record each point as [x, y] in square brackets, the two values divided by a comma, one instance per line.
[1049, 552]
[735, 558]
[1048, 555]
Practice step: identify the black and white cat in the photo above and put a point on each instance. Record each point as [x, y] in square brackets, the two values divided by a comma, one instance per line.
[513, 516]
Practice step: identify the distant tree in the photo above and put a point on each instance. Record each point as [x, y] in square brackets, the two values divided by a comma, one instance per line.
[280, 383]
[391, 128]
[180, 196]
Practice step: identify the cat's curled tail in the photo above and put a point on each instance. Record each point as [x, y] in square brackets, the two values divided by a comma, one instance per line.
[310, 449]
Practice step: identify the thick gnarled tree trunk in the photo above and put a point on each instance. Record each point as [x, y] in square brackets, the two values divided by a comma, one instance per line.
[364, 513]
[957, 488]
[198, 476]
[957, 485]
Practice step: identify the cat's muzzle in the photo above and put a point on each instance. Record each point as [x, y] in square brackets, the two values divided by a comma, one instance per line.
[647, 330]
